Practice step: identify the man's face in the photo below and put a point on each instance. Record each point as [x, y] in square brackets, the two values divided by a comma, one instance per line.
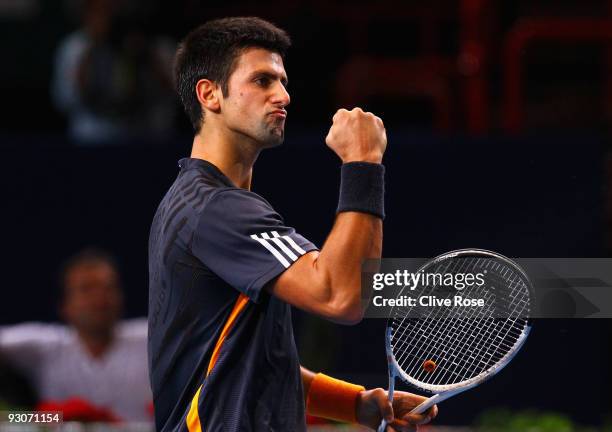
[92, 297]
[257, 97]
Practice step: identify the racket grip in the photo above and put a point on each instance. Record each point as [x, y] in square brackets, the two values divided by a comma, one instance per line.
[382, 427]
[426, 404]
[383, 423]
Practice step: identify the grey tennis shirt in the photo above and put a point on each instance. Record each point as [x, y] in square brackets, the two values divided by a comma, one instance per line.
[210, 243]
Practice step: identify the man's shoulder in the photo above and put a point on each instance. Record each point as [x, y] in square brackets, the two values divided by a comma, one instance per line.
[134, 329]
[234, 201]
[131, 341]
[201, 188]
[195, 190]
[38, 333]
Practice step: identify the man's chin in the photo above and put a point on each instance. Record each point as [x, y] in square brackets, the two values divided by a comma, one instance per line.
[275, 139]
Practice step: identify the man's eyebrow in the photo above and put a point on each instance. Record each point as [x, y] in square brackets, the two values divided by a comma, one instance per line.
[283, 79]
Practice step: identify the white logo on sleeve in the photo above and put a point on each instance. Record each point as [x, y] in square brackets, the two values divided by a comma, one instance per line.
[284, 248]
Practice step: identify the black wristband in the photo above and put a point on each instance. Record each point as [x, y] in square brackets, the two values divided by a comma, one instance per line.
[362, 188]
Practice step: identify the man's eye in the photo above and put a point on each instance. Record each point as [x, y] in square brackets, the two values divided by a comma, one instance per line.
[263, 82]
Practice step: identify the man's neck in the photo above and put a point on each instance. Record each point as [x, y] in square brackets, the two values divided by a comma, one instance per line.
[233, 155]
[96, 345]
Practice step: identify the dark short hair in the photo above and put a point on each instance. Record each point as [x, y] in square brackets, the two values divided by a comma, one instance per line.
[210, 52]
[88, 256]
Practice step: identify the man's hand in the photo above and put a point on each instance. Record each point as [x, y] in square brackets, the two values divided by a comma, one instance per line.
[372, 405]
[357, 136]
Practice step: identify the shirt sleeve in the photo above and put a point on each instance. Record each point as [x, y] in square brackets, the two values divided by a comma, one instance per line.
[245, 242]
[134, 329]
[25, 345]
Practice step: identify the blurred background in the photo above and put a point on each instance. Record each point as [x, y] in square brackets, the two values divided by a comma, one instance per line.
[499, 118]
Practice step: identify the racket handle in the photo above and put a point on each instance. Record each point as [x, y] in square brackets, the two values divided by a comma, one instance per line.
[426, 404]
[382, 427]
[383, 423]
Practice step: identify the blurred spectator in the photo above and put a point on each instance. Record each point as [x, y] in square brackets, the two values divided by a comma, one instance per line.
[97, 358]
[112, 79]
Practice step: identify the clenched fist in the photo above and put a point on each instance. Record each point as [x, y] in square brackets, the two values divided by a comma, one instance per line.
[357, 136]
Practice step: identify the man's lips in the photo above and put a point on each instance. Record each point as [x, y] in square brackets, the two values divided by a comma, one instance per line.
[279, 113]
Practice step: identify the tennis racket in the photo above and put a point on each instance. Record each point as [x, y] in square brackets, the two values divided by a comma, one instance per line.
[448, 350]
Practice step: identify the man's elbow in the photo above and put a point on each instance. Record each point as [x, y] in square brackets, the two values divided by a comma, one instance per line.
[353, 317]
[347, 312]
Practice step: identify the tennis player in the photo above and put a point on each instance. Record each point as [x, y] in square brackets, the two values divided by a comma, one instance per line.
[224, 267]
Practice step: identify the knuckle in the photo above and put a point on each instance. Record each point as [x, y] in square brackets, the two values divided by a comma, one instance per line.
[370, 116]
[341, 112]
[379, 392]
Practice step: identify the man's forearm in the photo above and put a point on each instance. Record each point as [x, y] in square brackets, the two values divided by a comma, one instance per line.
[354, 238]
[328, 283]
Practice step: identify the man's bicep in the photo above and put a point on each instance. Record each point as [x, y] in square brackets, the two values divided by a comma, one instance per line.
[304, 287]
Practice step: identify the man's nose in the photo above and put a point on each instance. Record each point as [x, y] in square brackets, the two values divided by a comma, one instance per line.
[281, 95]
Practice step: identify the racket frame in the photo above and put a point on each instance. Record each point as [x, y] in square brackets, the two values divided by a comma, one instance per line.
[443, 392]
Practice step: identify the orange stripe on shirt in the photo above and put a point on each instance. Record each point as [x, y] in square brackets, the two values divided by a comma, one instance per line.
[193, 418]
[238, 307]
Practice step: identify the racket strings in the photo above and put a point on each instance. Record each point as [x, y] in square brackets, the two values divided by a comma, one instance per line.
[462, 362]
[403, 342]
[480, 357]
[444, 343]
[448, 351]
[463, 332]
[516, 323]
[448, 355]
[443, 358]
[462, 346]
[434, 313]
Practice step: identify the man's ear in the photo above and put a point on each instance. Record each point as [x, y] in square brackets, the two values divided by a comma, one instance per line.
[208, 93]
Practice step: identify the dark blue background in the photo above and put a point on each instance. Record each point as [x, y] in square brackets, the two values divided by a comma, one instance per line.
[536, 196]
